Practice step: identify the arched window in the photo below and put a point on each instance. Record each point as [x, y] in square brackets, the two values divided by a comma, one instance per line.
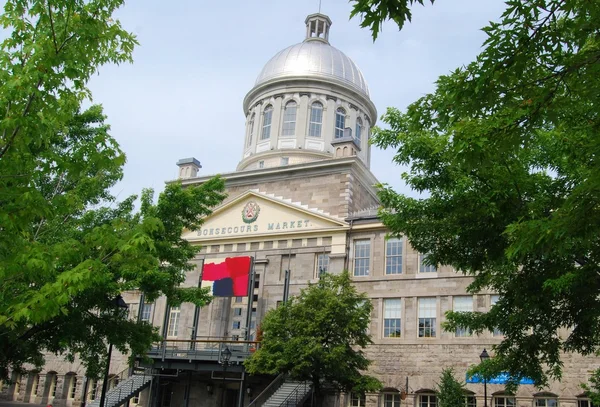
[340, 122]
[267, 119]
[250, 130]
[289, 119]
[316, 120]
[358, 132]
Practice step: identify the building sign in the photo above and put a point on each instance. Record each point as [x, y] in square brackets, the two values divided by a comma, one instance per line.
[296, 224]
[502, 378]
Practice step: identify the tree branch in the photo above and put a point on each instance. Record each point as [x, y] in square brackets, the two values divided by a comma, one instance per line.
[52, 27]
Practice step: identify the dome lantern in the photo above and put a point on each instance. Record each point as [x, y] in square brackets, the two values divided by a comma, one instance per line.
[317, 28]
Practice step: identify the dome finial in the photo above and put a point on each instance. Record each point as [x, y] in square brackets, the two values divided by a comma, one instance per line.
[317, 27]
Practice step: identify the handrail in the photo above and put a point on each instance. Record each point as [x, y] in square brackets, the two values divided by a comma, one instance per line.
[125, 384]
[295, 396]
[268, 391]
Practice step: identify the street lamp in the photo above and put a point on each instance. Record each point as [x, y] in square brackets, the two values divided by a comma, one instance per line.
[119, 304]
[225, 356]
[483, 357]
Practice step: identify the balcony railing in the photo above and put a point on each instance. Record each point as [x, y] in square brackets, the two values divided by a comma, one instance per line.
[206, 349]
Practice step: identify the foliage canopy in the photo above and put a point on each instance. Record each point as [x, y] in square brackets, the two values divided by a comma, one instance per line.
[67, 248]
[507, 151]
[318, 336]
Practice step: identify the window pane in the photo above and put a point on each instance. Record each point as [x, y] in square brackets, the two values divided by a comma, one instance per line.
[494, 299]
[425, 268]
[289, 119]
[173, 327]
[358, 131]
[393, 258]
[392, 318]
[340, 122]
[322, 264]
[362, 255]
[316, 120]
[266, 130]
[463, 303]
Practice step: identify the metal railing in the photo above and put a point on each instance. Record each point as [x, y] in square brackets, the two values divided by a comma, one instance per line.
[298, 395]
[122, 387]
[113, 381]
[268, 392]
[207, 348]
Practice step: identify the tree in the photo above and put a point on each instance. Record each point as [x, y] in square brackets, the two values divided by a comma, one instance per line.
[318, 336]
[506, 149]
[450, 392]
[67, 247]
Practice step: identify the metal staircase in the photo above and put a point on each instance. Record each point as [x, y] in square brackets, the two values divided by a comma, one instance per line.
[289, 394]
[124, 390]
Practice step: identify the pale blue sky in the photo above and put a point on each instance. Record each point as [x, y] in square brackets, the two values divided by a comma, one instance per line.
[183, 95]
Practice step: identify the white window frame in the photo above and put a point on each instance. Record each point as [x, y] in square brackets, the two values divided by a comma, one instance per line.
[361, 262]
[470, 400]
[462, 303]
[503, 401]
[267, 123]
[494, 298]
[427, 400]
[393, 261]
[35, 385]
[358, 131]
[425, 268]
[427, 315]
[542, 401]
[315, 128]
[392, 313]
[322, 264]
[251, 129]
[340, 119]
[390, 399]
[146, 309]
[584, 402]
[72, 387]
[289, 119]
[357, 400]
[53, 383]
[173, 324]
[92, 392]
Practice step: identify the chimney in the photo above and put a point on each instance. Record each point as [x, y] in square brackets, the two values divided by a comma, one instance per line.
[188, 168]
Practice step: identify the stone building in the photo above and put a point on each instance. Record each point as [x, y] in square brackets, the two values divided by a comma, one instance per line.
[302, 202]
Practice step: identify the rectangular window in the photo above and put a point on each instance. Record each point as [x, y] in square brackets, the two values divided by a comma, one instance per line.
[427, 400]
[584, 403]
[322, 264]
[470, 401]
[72, 387]
[546, 402]
[393, 256]
[493, 300]
[52, 390]
[427, 317]
[261, 164]
[35, 387]
[391, 317]
[357, 400]
[362, 257]
[92, 388]
[289, 119]
[238, 299]
[285, 160]
[146, 312]
[252, 324]
[504, 402]
[391, 400]
[316, 120]
[237, 312]
[462, 303]
[425, 268]
[236, 325]
[173, 327]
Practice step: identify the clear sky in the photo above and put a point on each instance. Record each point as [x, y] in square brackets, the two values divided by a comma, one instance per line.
[182, 96]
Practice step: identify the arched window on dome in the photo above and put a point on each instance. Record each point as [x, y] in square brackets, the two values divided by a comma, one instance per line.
[316, 120]
[340, 122]
[289, 119]
[358, 132]
[250, 130]
[267, 120]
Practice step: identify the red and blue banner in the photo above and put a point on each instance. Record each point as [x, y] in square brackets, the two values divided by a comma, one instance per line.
[229, 278]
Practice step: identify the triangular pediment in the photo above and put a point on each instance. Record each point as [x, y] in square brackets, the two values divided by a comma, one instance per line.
[254, 214]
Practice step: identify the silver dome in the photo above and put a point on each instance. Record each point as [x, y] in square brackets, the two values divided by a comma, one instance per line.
[314, 59]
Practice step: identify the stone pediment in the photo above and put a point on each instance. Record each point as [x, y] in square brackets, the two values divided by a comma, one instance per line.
[254, 214]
